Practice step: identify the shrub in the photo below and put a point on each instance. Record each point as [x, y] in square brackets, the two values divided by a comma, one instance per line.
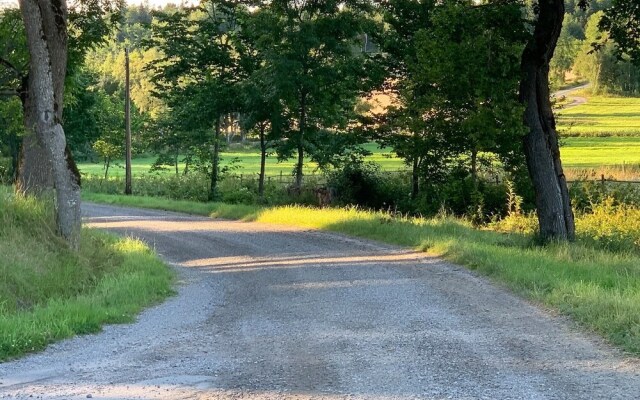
[611, 225]
[363, 184]
[481, 201]
[586, 193]
[233, 191]
[5, 171]
[193, 186]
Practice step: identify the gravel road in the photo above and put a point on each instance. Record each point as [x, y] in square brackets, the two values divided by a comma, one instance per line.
[271, 312]
[568, 93]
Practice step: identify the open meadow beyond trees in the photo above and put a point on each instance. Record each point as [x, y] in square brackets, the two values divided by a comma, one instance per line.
[602, 116]
[603, 132]
[577, 152]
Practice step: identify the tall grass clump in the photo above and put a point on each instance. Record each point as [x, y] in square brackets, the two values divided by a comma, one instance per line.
[48, 292]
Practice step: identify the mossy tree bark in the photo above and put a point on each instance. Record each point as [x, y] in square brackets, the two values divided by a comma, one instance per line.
[555, 215]
[46, 28]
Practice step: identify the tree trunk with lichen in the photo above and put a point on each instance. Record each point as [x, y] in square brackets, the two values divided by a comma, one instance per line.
[46, 29]
[542, 151]
[33, 173]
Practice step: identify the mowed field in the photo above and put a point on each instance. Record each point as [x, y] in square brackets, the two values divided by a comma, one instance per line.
[602, 116]
[577, 152]
[245, 162]
[603, 132]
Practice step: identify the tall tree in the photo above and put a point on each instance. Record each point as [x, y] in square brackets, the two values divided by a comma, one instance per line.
[87, 24]
[313, 50]
[606, 68]
[404, 125]
[541, 147]
[46, 32]
[622, 21]
[453, 69]
[198, 74]
[466, 68]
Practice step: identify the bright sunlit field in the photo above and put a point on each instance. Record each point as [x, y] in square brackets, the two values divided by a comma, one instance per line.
[577, 152]
[602, 116]
[244, 162]
[603, 132]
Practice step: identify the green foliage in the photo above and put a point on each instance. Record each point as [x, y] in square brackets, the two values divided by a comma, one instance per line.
[192, 186]
[567, 49]
[622, 21]
[587, 193]
[11, 132]
[603, 67]
[48, 293]
[455, 82]
[611, 225]
[13, 45]
[363, 184]
[313, 66]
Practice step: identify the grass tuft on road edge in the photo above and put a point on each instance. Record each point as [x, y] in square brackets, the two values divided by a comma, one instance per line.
[48, 292]
[598, 289]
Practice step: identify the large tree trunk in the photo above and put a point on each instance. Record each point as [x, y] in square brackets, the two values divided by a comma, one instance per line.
[46, 29]
[34, 176]
[542, 151]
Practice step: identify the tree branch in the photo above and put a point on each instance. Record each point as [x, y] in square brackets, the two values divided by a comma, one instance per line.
[8, 93]
[11, 67]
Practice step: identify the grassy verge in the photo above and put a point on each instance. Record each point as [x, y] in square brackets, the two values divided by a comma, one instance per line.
[600, 289]
[215, 210]
[48, 293]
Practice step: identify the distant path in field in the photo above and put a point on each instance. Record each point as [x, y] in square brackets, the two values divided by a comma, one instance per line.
[575, 100]
[271, 312]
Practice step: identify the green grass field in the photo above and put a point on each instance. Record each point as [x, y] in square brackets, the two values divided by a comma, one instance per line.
[244, 162]
[603, 132]
[593, 152]
[577, 152]
[602, 116]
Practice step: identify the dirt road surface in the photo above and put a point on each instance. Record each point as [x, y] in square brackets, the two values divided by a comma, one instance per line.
[271, 312]
[568, 93]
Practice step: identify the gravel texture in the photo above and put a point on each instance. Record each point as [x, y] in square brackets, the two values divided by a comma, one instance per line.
[271, 312]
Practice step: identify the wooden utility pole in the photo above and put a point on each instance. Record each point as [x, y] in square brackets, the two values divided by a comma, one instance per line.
[127, 123]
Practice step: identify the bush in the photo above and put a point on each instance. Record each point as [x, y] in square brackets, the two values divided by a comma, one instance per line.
[364, 185]
[5, 171]
[610, 225]
[462, 197]
[584, 194]
[233, 191]
[193, 186]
